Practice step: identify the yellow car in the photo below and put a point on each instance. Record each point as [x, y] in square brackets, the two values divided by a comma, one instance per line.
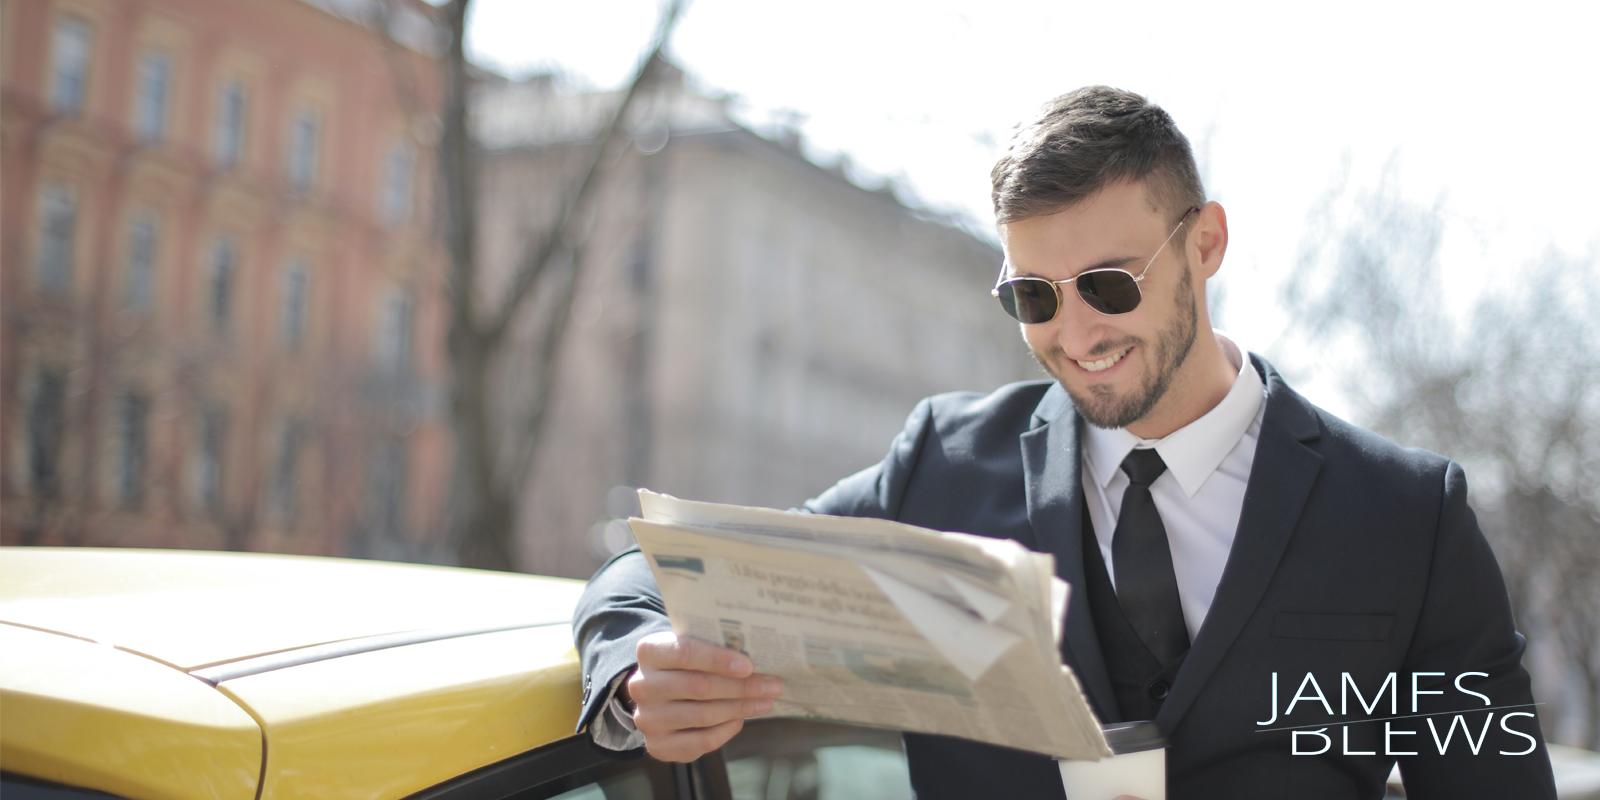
[155, 675]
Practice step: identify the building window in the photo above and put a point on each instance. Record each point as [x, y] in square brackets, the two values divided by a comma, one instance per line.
[155, 93]
[219, 296]
[134, 416]
[71, 68]
[209, 458]
[296, 298]
[143, 233]
[45, 431]
[229, 138]
[285, 475]
[397, 182]
[394, 337]
[303, 133]
[58, 224]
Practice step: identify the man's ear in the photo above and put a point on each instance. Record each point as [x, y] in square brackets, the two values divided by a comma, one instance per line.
[1209, 240]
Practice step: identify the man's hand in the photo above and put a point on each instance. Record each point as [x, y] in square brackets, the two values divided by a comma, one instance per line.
[691, 697]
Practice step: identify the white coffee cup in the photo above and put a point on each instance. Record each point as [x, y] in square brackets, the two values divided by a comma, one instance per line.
[1139, 768]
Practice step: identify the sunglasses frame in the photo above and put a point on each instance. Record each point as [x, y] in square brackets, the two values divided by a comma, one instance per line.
[1056, 285]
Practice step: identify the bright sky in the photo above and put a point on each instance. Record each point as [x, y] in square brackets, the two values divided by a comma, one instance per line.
[1488, 110]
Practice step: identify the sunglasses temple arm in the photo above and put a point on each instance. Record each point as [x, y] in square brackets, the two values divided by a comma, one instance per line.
[1001, 278]
[1164, 244]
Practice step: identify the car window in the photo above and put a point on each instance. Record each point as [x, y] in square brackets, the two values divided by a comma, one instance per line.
[633, 784]
[571, 769]
[802, 760]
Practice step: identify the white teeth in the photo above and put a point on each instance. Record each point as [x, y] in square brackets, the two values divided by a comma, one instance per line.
[1096, 366]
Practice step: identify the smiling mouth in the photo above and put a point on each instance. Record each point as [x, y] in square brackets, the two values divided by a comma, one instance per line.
[1104, 363]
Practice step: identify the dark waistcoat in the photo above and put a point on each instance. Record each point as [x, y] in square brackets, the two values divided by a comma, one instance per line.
[1139, 681]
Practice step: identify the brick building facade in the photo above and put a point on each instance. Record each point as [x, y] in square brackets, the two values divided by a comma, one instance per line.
[222, 321]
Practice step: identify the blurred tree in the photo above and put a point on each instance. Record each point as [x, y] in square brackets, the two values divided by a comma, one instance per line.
[501, 392]
[1512, 388]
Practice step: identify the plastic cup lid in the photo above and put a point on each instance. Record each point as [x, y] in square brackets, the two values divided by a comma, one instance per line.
[1134, 737]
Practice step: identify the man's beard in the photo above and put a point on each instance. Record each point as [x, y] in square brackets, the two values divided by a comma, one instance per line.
[1102, 408]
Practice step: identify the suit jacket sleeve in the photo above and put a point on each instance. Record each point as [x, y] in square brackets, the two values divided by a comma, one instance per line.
[622, 605]
[1466, 626]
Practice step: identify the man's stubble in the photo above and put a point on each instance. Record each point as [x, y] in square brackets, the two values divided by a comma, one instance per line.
[1102, 408]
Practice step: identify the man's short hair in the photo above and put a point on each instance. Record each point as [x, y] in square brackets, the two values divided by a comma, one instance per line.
[1090, 138]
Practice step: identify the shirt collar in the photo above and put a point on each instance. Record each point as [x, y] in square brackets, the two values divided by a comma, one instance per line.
[1194, 451]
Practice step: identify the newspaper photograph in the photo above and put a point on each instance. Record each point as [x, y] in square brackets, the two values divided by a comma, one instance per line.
[878, 623]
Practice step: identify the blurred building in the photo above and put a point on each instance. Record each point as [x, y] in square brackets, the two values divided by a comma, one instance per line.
[749, 326]
[222, 322]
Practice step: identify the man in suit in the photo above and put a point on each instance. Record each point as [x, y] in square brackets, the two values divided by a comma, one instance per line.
[1242, 562]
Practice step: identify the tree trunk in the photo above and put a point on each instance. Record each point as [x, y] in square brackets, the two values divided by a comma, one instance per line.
[485, 511]
[493, 457]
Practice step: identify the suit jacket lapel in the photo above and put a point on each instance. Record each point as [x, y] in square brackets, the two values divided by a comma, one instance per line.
[1281, 478]
[1052, 465]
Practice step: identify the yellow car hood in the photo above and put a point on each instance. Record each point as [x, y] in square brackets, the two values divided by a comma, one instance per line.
[168, 675]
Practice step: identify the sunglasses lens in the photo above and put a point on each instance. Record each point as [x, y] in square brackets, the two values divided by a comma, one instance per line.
[1028, 300]
[1108, 291]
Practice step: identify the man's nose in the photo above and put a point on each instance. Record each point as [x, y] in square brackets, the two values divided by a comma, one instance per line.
[1078, 327]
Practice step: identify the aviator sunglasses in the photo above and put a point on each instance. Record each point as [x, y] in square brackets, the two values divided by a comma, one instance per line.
[1108, 291]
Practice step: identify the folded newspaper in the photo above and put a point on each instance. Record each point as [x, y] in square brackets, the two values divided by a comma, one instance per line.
[877, 623]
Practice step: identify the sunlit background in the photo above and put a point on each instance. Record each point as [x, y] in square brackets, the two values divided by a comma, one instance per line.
[1485, 115]
[235, 316]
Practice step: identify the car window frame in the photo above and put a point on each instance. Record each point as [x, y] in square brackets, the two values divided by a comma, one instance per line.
[525, 774]
[705, 779]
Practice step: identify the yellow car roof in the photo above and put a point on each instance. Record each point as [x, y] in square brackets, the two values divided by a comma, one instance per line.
[172, 674]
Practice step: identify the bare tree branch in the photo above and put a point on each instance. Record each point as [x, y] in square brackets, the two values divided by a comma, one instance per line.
[546, 365]
[1514, 389]
[497, 440]
[458, 169]
[538, 255]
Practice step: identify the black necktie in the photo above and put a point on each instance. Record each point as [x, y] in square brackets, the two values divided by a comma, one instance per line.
[1147, 588]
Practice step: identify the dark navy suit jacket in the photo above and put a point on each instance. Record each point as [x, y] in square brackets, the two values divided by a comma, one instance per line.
[1353, 555]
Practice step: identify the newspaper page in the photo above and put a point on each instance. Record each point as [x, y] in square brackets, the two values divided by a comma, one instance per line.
[877, 623]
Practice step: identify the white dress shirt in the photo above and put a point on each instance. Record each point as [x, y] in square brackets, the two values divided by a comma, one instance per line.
[1199, 496]
[613, 727]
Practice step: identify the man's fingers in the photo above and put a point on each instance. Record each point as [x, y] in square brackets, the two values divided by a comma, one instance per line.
[659, 719]
[690, 697]
[676, 684]
[691, 744]
[667, 650]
